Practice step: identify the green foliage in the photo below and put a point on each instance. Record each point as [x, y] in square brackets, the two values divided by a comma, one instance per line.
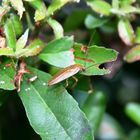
[138, 35]
[78, 16]
[133, 55]
[57, 28]
[100, 7]
[124, 12]
[40, 9]
[57, 4]
[7, 74]
[10, 34]
[133, 111]
[18, 5]
[37, 38]
[50, 107]
[95, 103]
[94, 57]
[126, 32]
[92, 22]
[58, 50]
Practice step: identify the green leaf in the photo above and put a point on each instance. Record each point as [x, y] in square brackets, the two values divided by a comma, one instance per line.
[92, 22]
[126, 32]
[133, 112]
[94, 108]
[41, 11]
[57, 28]
[21, 42]
[31, 50]
[137, 40]
[124, 9]
[59, 45]
[57, 4]
[18, 5]
[133, 54]
[95, 70]
[126, 2]
[58, 52]
[75, 19]
[17, 24]
[94, 57]
[60, 59]
[100, 7]
[51, 111]
[130, 10]
[10, 34]
[110, 27]
[6, 52]
[7, 74]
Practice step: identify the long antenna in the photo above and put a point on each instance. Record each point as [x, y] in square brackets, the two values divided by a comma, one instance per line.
[91, 38]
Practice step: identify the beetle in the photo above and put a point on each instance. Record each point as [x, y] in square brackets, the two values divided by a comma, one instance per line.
[72, 69]
[65, 73]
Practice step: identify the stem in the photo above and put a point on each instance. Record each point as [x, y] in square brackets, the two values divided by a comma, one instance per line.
[30, 25]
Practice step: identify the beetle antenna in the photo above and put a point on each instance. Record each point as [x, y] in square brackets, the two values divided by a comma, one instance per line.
[91, 39]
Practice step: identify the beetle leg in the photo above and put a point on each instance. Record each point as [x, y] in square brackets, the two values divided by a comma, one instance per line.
[75, 83]
[90, 87]
[67, 83]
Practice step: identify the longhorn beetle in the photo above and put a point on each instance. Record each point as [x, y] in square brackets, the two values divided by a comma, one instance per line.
[72, 69]
[69, 71]
[65, 73]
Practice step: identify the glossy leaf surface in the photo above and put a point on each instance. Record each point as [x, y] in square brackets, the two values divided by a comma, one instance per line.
[58, 52]
[7, 74]
[93, 58]
[52, 107]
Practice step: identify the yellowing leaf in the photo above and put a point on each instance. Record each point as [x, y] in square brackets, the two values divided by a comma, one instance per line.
[133, 55]
[33, 49]
[6, 52]
[18, 5]
[126, 32]
[39, 6]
